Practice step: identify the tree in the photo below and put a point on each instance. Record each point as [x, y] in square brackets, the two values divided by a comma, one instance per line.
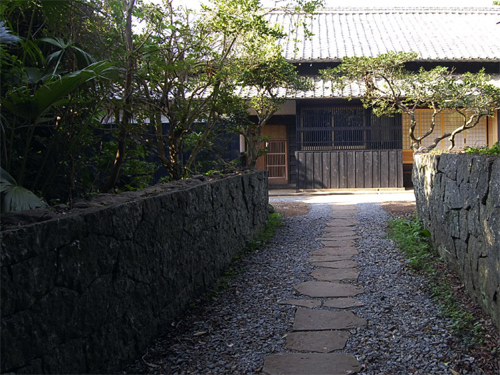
[387, 87]
[190, 71]
[128, 91]
[268, 77]
[188, 67]
[49, 96]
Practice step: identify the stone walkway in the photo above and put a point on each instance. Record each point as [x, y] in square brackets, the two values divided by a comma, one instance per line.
[322, 320]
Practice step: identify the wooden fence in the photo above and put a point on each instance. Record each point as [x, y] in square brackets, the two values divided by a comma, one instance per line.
[349, 169]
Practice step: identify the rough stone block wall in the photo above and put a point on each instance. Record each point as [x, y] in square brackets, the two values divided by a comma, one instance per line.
[458, 200]
[87, 292]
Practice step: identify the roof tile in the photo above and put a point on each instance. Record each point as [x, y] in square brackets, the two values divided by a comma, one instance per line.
[434, 33]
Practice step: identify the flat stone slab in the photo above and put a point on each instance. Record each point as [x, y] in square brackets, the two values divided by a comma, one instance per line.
[344, 250]
[336, 264]
[339, 231]
[343, 235]
[327, 237]
[344, 208]
[337, 243]
[349, 224]
[329, 258]
[310, 363]
[343, 303]
[327, 289]
[342, 222]
[331, 274]
[310, 303]
[323, 320]
[317, 341]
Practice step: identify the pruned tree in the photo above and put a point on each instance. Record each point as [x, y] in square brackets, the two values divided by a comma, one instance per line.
[268, 79]
[191, 69]
[386, 86]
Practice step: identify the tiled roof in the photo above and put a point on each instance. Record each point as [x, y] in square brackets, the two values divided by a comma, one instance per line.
[322, 89]
[434, 33]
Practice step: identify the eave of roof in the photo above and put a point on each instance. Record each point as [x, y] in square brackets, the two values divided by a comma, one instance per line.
[322, 89]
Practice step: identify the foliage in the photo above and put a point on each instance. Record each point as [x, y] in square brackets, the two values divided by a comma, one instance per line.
[15, 197]
[272, 224]
[269, 77]
[137, 172]
[415, 242]
[86, 96]
[493, 150]
[190, 69]
[389, 88]
[50, 97]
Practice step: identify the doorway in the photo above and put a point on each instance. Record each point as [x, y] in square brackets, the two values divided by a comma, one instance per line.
[276, 159]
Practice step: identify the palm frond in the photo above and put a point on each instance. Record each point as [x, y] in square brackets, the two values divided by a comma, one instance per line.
[17, 198]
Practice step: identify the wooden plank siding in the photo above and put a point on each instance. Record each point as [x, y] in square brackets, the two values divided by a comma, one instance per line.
[354, 169]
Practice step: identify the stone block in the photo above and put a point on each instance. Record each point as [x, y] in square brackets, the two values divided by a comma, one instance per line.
[332, 274]
[85, 292]
[321, 320]
[452, 198]
[458, 199]
[310, 363]
[317, 341]
[327, 289]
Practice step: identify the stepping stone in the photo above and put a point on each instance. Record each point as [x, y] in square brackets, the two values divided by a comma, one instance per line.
[340, 243]
[311, 303]
[336, 264]
[334, 237]
[317, 341]
[329, 258]
[331, 274]
[327, 289]
[344, 250]
[310, 363]
[342, 223]
[322, 320]
[343, 209]
[340, 229]
[343, 303]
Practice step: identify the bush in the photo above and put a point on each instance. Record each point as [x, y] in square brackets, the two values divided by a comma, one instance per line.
[494, 150]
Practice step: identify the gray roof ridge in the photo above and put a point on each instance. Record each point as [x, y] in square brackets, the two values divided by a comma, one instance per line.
[402, 9]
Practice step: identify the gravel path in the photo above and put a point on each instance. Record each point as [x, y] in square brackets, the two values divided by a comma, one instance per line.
[231, 333]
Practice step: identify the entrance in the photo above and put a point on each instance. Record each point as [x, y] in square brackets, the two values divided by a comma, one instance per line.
[276, 159]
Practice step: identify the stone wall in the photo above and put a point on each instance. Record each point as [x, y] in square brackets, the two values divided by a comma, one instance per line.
[87, 291]
[458, 199]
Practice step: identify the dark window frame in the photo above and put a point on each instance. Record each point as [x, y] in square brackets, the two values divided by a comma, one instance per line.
[342, 127]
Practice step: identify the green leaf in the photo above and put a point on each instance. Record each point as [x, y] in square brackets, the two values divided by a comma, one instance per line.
[20, 199]
[6, 181]
[17, 198]
[55, 90]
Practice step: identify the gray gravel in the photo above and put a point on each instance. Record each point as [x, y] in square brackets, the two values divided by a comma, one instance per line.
[232, 333]
[405, 334]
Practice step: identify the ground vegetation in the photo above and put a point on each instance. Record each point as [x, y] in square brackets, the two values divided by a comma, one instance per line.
[473, 330]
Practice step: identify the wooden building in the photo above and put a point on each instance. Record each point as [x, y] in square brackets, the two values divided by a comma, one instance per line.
[320, 141]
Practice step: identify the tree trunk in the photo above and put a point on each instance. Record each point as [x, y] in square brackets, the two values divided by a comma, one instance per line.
[127, 100]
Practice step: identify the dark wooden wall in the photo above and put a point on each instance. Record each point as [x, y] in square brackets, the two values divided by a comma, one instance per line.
[349, 169]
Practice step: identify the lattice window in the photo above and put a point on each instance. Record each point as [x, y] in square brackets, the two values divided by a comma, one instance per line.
[446, 121]
[346, 128]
